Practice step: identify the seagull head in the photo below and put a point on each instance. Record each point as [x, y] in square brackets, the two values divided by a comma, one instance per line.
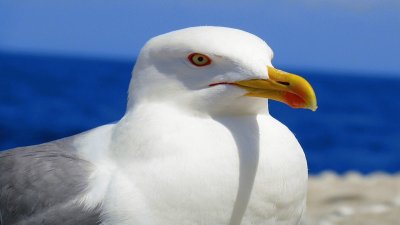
[214, 70]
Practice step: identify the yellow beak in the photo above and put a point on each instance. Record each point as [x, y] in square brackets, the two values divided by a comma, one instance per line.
[288, 88]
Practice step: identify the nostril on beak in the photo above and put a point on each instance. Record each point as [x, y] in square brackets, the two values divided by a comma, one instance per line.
[284, 83]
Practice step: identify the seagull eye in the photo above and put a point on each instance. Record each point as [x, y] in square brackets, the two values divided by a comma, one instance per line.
[198, 59]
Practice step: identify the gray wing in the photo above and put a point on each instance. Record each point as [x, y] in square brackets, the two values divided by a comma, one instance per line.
[38, 184]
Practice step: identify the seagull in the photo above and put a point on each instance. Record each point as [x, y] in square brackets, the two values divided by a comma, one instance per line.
[196, 145]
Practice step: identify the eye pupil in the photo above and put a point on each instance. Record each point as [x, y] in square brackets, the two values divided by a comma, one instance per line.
[200, 59]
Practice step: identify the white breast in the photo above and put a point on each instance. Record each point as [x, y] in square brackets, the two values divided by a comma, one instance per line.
[279, 193]
[178, 169]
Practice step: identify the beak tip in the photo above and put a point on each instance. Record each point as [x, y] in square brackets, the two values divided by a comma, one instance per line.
[313, 108]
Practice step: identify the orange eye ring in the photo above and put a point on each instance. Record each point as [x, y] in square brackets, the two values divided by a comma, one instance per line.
[199, 59]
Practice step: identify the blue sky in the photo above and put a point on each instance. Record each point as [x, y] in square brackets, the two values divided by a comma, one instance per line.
[334, 35]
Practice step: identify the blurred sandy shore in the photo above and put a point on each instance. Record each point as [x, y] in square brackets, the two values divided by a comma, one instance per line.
[353, 199]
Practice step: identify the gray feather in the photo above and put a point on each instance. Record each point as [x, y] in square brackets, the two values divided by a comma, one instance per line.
[39, 183]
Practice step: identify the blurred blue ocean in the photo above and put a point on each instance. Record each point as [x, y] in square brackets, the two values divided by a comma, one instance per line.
[356, 127]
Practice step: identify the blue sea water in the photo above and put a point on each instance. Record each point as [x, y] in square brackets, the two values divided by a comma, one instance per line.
[356, 127]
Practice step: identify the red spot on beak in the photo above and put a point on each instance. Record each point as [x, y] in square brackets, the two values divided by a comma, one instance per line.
[294, 100]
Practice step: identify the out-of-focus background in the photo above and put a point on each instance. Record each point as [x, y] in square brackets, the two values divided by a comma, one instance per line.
[65, 67]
